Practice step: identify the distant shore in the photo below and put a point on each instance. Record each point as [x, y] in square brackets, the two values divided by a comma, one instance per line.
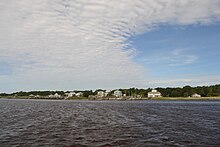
[186, 98]
[119, 99]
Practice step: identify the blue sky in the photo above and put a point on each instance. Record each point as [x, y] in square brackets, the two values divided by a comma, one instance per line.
[179, 51]
[92, 44]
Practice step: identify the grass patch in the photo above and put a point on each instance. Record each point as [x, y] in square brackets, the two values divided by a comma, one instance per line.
[77, 98]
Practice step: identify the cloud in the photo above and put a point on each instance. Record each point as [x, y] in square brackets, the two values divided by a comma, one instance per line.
[172, 57]
[84, 43]
[180, 57]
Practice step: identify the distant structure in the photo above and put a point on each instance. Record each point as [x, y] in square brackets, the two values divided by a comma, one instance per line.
[154, 93]
[196, 95]
[79, 94]
[56, 95]
[117, 93]
[50, 96]
[37, 96]
[70, 94]
[31, 95]
[100, 94]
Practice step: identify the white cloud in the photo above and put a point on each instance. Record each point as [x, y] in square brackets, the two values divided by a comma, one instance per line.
[83, 43]
[180, 57]
[172, 57]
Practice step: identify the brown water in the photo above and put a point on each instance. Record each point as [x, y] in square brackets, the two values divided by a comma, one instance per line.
[109, 123]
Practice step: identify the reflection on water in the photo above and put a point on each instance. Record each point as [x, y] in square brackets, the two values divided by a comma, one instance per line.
[109, 123]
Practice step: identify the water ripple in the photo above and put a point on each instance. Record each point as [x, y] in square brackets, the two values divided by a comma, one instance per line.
[109, 123]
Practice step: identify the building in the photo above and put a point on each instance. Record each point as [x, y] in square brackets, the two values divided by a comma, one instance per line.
[70, 94]
[154, 93]
[37, 96]
[31, 95]
[56, 95]
[100, 94]
[79, 94]
[196, 95]
[117, 93]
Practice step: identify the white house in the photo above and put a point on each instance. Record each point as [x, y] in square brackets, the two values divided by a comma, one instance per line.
[117, 93]
[31, 95]
[154, 93]
[100, 94]
[196, 95]
[37, 96]
[79, 94]
[70, 94]
[50, 96]
[56, 95]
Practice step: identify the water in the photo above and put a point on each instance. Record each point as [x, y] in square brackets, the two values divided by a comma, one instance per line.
[109, 123]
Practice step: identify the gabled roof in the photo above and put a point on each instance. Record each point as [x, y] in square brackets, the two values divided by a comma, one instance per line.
[154, 93]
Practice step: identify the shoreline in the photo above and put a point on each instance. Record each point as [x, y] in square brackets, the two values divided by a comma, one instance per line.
[186, 98]
[120, 99]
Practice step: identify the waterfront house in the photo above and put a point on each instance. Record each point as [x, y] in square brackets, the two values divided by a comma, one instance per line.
[37, 96]
[70, 94]
[196, 95]
[31, 95]
[100, 94]
[154, 93]
[117, 93]
[79, 94]
[56, 95]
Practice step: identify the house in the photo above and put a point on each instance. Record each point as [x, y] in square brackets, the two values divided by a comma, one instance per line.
[196, 95]
[70, 94]
[37, 96]
[100, 94]
[56, 95]
[154, 93]
[117, 93]
[79, 94]
[31, 95]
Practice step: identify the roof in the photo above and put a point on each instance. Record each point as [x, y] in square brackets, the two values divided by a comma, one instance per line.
[154, 93]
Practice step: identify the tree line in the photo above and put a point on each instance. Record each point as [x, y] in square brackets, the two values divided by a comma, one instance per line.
[186, 91]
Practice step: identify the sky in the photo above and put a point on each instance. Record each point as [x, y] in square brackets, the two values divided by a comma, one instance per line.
[91, 44]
